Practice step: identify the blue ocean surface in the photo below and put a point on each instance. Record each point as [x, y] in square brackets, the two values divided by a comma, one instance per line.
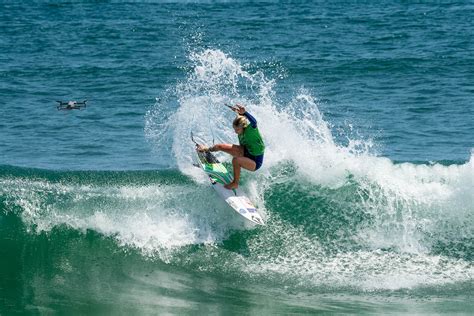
[367, 187]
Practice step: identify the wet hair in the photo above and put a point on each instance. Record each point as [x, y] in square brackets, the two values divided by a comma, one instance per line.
[240, 121]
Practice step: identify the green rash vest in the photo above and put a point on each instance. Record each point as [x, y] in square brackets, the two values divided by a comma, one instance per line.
[252, 140]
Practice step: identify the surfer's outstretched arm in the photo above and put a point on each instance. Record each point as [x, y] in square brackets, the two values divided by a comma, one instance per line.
[252, 120]
[240, 109]
[231, 149]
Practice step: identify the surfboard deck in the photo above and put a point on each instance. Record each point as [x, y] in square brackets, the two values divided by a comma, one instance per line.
[235, 198]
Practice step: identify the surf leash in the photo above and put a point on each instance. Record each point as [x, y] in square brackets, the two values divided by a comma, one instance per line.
[192, 138]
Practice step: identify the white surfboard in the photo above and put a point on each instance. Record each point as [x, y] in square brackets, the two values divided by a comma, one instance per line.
[220, 175]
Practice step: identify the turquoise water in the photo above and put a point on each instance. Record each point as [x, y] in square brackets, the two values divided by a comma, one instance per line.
[367, 185]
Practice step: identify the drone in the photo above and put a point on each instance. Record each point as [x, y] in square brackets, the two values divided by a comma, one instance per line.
[71, 105]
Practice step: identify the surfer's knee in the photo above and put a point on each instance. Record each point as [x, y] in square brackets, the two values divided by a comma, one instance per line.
[244, 162]
[237, 161]
[237, 150]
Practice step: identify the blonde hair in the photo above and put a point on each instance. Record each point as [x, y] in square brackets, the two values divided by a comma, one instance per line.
[240, 121]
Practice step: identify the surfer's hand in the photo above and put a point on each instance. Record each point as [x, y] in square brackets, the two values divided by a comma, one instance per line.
[240, 109]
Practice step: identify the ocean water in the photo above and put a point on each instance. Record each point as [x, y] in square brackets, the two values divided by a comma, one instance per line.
[367, 188]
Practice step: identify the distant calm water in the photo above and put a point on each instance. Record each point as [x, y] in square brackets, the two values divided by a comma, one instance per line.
[367, 112]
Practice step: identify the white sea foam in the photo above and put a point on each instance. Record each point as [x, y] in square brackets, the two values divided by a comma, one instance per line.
[154, 219]
[297, 132]
[408, 204]
[411, 208]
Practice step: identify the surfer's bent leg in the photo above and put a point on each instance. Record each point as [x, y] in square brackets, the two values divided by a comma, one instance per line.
[237, 163]
[231, 149]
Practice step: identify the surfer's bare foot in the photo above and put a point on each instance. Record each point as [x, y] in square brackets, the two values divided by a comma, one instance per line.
[232, 185]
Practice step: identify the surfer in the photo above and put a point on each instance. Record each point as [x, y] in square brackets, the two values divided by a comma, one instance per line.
[249, 153]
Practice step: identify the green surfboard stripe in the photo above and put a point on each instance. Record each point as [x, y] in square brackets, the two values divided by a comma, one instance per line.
[218, 172]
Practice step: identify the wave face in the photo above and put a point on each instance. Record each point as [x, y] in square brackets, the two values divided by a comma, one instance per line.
[362, 235]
